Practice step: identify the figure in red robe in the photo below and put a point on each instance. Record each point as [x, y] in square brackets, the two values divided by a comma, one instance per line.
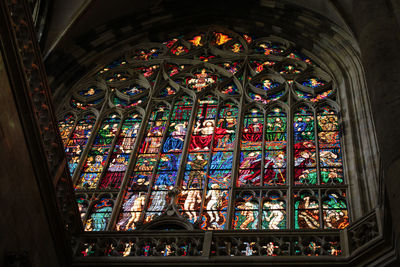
[250, 169]
[201, 140]
[253, 132]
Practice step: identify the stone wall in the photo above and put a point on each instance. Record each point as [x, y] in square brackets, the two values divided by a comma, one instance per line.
[25, 236]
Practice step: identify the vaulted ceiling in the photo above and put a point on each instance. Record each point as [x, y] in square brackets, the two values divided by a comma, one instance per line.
[85, 35]
[72, 19]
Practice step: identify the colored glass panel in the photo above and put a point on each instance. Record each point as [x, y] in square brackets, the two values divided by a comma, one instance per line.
[173, 69]
[231, 67]
[119, 102]
[78, 140]
[85, 105]
[178, 126]
[258, 66]
[335, 215]
[96, 159]
[132, 90]
[131, 210]
[330, 156]
[146, 54]
[221, 38]
[120, 157]
[167, 91]
[66, 126]
[100, 215]
[215, 206]
[189, 202]
[270, 48]
[275, 148]
[236, 48]
[306, 214]
[246, 212]
[201, 80]
[312, 97]
[179, 50]
[230, 89]
[89, 92]
[117, 77]
[206, 194]
[274, 213]
[313, 82]
[289, 69]
[267, 84]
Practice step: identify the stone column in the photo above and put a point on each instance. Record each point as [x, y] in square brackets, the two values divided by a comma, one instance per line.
[376, 26]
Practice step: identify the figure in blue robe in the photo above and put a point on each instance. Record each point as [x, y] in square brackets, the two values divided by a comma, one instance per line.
[299, 127]
[174, 141]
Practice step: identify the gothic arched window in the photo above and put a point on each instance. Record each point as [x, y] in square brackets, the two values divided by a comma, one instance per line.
[217, 129]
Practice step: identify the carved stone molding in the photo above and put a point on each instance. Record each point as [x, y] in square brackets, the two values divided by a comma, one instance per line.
[35, 97]
[213, 247]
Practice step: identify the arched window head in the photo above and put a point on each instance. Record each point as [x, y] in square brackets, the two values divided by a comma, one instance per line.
[213, 129]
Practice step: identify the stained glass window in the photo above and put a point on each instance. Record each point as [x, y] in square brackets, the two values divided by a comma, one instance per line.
[221, 130]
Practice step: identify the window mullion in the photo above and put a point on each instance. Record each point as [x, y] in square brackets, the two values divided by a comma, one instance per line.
[210, 153]
[185, 148]
[88, 145]
[129, 169]
[235, 163]
[290, 163]
[110, 153]
[153, 175]
[317, 159]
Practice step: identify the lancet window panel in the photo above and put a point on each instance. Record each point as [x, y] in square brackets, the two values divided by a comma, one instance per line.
[215, 129]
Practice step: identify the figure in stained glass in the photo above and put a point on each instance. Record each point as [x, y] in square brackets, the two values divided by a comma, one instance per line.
[145, 163]
[118, 164]
[329, 139]
[328, 123]
[157, 129]
[275, 168]
[191, 203]
[335, 212]
[253, 131]
[201, 80]
[230, 90]
[196, 176]
[267, 84]
[158, 200]
[169, 162]
[247, 217]
[203, 135]
[215, 204]
[231, 67]
[174, 141]
[131, 212]
[329, 159]
[274, 214]
[73, 162]
[299, 128]
[98, 219]
[307, 213]
[275, 129]
[331, 175]
[240, 91]
[136, 204]
[214, 198]
[151, 145]
[250, 168]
